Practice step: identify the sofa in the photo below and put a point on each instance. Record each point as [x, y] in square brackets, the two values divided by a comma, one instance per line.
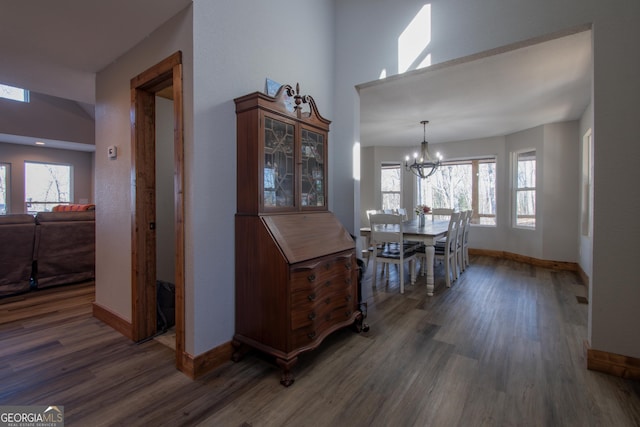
[65, 247]
[17, 240]
[54, 248]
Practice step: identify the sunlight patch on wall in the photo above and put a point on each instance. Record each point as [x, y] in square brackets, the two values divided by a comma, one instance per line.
[356, 161]
[414, 40]
[425, 62]
[383, 74]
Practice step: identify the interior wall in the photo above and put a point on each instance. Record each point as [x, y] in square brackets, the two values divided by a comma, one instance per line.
[17, 154]
[43, 76]
[165, 194]
[559, 216]
[458, 30]
[47, 117]
[113, 127]
[615, 292]
[367, 184]
[234, 52]
[555, 235]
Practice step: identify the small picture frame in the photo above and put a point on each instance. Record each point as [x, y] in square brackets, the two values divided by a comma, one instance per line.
[271, 87]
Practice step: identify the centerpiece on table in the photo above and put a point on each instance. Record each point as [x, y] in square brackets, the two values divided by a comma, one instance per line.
[421, 211]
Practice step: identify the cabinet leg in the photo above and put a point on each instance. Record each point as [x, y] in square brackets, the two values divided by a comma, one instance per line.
[359, 325]
[239, 350]
[286, 365]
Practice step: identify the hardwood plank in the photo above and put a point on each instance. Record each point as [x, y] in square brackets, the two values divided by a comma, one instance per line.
[502, 346]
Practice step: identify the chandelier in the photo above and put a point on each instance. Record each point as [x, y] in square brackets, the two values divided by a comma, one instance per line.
[423, 166]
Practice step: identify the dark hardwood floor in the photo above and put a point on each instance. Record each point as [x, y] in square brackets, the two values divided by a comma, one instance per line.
[502, 347]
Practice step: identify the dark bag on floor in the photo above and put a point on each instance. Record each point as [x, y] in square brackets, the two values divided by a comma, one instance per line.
[166, 305]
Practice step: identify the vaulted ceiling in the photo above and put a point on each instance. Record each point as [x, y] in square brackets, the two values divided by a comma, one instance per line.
[489, 94]
[75, 35]
[79, 34]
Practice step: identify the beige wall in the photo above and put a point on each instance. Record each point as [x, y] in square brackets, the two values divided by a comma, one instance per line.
[48, 117]
[555, 237]
[17, 154]
[113, 127]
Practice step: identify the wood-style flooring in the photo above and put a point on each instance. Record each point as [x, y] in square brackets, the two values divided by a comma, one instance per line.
[502, 347]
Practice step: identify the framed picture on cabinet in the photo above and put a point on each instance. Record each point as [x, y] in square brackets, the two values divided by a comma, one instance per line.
[271, 87]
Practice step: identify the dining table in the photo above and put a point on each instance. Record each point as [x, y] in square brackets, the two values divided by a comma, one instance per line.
[428, 233]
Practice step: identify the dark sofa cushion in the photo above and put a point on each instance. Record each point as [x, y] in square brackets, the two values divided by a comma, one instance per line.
[65, 247]
[17, 236]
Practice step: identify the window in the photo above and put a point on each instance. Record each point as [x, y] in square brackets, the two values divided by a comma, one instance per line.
[46, 185]
[4, 188]
[391, 185]
[463, 185]
[525, 189]
[14, 93]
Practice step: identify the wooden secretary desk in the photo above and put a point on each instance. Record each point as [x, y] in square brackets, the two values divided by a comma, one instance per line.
[295, 264]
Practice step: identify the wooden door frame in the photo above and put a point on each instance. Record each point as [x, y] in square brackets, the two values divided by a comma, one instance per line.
[144, 87]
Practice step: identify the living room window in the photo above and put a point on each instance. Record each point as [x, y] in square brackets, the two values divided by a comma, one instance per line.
[525, 189]
[5, 169]
[14, 93]
[46, 185]
[462, 185]
[390, 176]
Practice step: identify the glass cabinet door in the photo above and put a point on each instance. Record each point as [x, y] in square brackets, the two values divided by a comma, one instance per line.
[278, 164]
[313, 168]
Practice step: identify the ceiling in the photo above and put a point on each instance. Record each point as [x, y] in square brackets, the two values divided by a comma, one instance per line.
[79, 34]
[490, 94]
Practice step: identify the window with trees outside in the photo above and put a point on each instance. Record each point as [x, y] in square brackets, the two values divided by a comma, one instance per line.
[463, 185]
[525, 189]
[4, 188]
[46, 185]
[391, 185]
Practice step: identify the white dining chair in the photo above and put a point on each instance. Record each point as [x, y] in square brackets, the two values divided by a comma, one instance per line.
[389, 246]
[441, 213]
[460, 244]
[446, 250]
[367, 248]
[465, 240]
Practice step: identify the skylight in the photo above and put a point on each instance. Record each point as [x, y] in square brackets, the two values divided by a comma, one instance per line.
[14, 93]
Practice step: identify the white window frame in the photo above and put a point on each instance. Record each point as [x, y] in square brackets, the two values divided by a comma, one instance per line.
[475, 163]
[28, 203]
[391, 165]
[516, 189]
[7, 190]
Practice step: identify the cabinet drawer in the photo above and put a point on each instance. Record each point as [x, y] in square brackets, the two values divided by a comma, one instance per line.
[308, 334]
[314, 308]
[309, 275]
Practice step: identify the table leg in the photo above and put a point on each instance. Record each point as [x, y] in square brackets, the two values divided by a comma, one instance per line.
[430, 255]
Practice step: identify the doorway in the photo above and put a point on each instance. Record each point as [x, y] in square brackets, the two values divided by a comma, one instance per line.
[163, 79]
